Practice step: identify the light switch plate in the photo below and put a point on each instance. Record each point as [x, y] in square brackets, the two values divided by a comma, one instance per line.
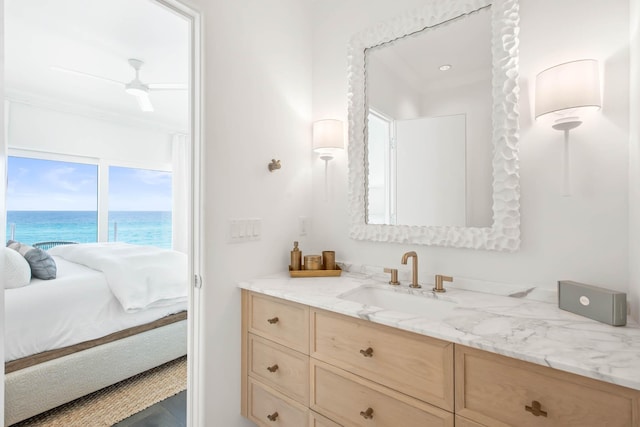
[243, 230]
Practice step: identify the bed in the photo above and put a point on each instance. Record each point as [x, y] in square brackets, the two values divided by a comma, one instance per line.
[113, 311]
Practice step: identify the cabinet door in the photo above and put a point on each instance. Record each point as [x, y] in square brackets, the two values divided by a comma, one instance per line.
[413, 364]
[353, 401]
[499, 391]
[269, 408]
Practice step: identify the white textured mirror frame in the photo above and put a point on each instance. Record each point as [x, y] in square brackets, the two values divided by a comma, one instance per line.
[504, 234]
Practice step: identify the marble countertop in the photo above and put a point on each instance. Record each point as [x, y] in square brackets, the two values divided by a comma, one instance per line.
[518, 325]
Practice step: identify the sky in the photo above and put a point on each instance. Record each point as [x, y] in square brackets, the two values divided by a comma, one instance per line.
[47, 185]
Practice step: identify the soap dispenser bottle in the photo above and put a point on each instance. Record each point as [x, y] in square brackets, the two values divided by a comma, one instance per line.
[296, 257]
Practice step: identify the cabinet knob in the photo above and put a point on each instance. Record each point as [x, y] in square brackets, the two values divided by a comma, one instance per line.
[272, 368]
[273, 320]
[367, 353]
[535, 409]
[368, 414]
[273, 416]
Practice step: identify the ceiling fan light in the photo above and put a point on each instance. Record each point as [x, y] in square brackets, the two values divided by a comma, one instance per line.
[135, 91]
[136, 88]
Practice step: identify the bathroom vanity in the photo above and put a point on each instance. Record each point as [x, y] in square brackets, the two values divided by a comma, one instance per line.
[315, 355]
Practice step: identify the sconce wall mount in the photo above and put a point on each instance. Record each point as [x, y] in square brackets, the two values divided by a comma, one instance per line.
[564, 93]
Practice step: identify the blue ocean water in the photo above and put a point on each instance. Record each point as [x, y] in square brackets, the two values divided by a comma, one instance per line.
[141, 228]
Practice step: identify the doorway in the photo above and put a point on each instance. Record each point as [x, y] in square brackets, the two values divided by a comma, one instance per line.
[51, 117]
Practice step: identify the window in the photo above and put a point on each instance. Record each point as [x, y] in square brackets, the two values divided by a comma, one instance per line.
[50, 200]
[140, 202]
[381, 161]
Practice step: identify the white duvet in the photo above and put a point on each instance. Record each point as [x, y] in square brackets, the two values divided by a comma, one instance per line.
[75, 307]
[140, 277]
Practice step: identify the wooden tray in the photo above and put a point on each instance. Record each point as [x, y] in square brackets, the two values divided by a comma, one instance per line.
[315, 273]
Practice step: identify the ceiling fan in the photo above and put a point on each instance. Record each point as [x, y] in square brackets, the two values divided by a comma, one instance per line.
[135, 87]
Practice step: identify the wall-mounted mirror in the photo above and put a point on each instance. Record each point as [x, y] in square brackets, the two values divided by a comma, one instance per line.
[433, 127]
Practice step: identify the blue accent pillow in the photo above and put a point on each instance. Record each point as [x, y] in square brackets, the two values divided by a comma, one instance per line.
[42, 264]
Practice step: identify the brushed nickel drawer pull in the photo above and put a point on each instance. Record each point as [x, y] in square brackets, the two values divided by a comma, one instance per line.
[272, 368]
[535, 409]
[273, 416]
[367, 353]
[368, 414]
[273, 320]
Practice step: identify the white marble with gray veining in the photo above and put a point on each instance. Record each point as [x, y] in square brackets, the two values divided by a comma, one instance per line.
[518, 326]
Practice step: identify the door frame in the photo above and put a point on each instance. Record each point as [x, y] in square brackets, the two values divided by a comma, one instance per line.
[195, 384]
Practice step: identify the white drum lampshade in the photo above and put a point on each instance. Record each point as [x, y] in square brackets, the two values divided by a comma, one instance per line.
[327, 138]
[567, 91]
[564, 94]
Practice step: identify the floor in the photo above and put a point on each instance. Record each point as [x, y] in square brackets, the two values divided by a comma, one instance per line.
[171, 412]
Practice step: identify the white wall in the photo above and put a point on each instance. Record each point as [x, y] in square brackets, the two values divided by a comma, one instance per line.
[44, 129]
[584, 237]
[634, 163]
[257, 107]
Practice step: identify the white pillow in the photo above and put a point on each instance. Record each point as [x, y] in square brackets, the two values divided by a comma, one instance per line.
[17, 272]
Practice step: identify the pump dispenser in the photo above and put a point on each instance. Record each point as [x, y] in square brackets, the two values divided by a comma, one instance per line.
[296, 257]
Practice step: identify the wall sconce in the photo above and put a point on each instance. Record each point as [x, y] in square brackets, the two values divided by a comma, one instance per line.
[564, 93]
[328, 138]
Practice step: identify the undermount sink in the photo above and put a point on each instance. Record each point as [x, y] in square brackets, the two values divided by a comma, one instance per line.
[400, 300]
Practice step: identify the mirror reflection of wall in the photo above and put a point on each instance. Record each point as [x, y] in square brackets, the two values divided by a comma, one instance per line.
[433, 86]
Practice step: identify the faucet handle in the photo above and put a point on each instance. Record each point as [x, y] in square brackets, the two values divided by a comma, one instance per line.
[439, 279]
[394, 276]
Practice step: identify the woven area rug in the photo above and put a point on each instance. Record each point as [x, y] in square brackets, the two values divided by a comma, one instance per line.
[115, 403]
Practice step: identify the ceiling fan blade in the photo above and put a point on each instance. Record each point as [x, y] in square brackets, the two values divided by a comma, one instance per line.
[167, 86]
[83, 74]
[145, 103]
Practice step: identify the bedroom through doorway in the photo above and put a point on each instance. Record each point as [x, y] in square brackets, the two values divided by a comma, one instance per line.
[102, 199]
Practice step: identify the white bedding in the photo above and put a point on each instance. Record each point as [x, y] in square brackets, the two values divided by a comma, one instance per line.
[140, 277]
[75, 307]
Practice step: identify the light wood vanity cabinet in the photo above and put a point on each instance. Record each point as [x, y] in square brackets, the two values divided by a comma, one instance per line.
[278, 320]
[354, 401]
[280, 368]
[413, 364]
[304, 367]
[275, 361]
[500, 391]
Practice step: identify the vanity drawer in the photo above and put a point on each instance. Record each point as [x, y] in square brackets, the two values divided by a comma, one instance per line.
[279, 367]
[419, 366]
[354, 401]
[317, 420]
[281, 321]
[269, 408]
[495, 390]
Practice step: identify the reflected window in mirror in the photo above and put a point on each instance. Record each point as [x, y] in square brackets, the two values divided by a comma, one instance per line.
[381, 159]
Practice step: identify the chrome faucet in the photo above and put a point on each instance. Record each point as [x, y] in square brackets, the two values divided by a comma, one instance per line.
[414, 275]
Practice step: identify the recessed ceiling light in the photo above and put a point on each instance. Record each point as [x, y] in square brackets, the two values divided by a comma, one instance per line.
[444, 67]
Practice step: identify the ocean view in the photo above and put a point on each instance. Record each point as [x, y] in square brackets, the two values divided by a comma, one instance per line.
[136, 227]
